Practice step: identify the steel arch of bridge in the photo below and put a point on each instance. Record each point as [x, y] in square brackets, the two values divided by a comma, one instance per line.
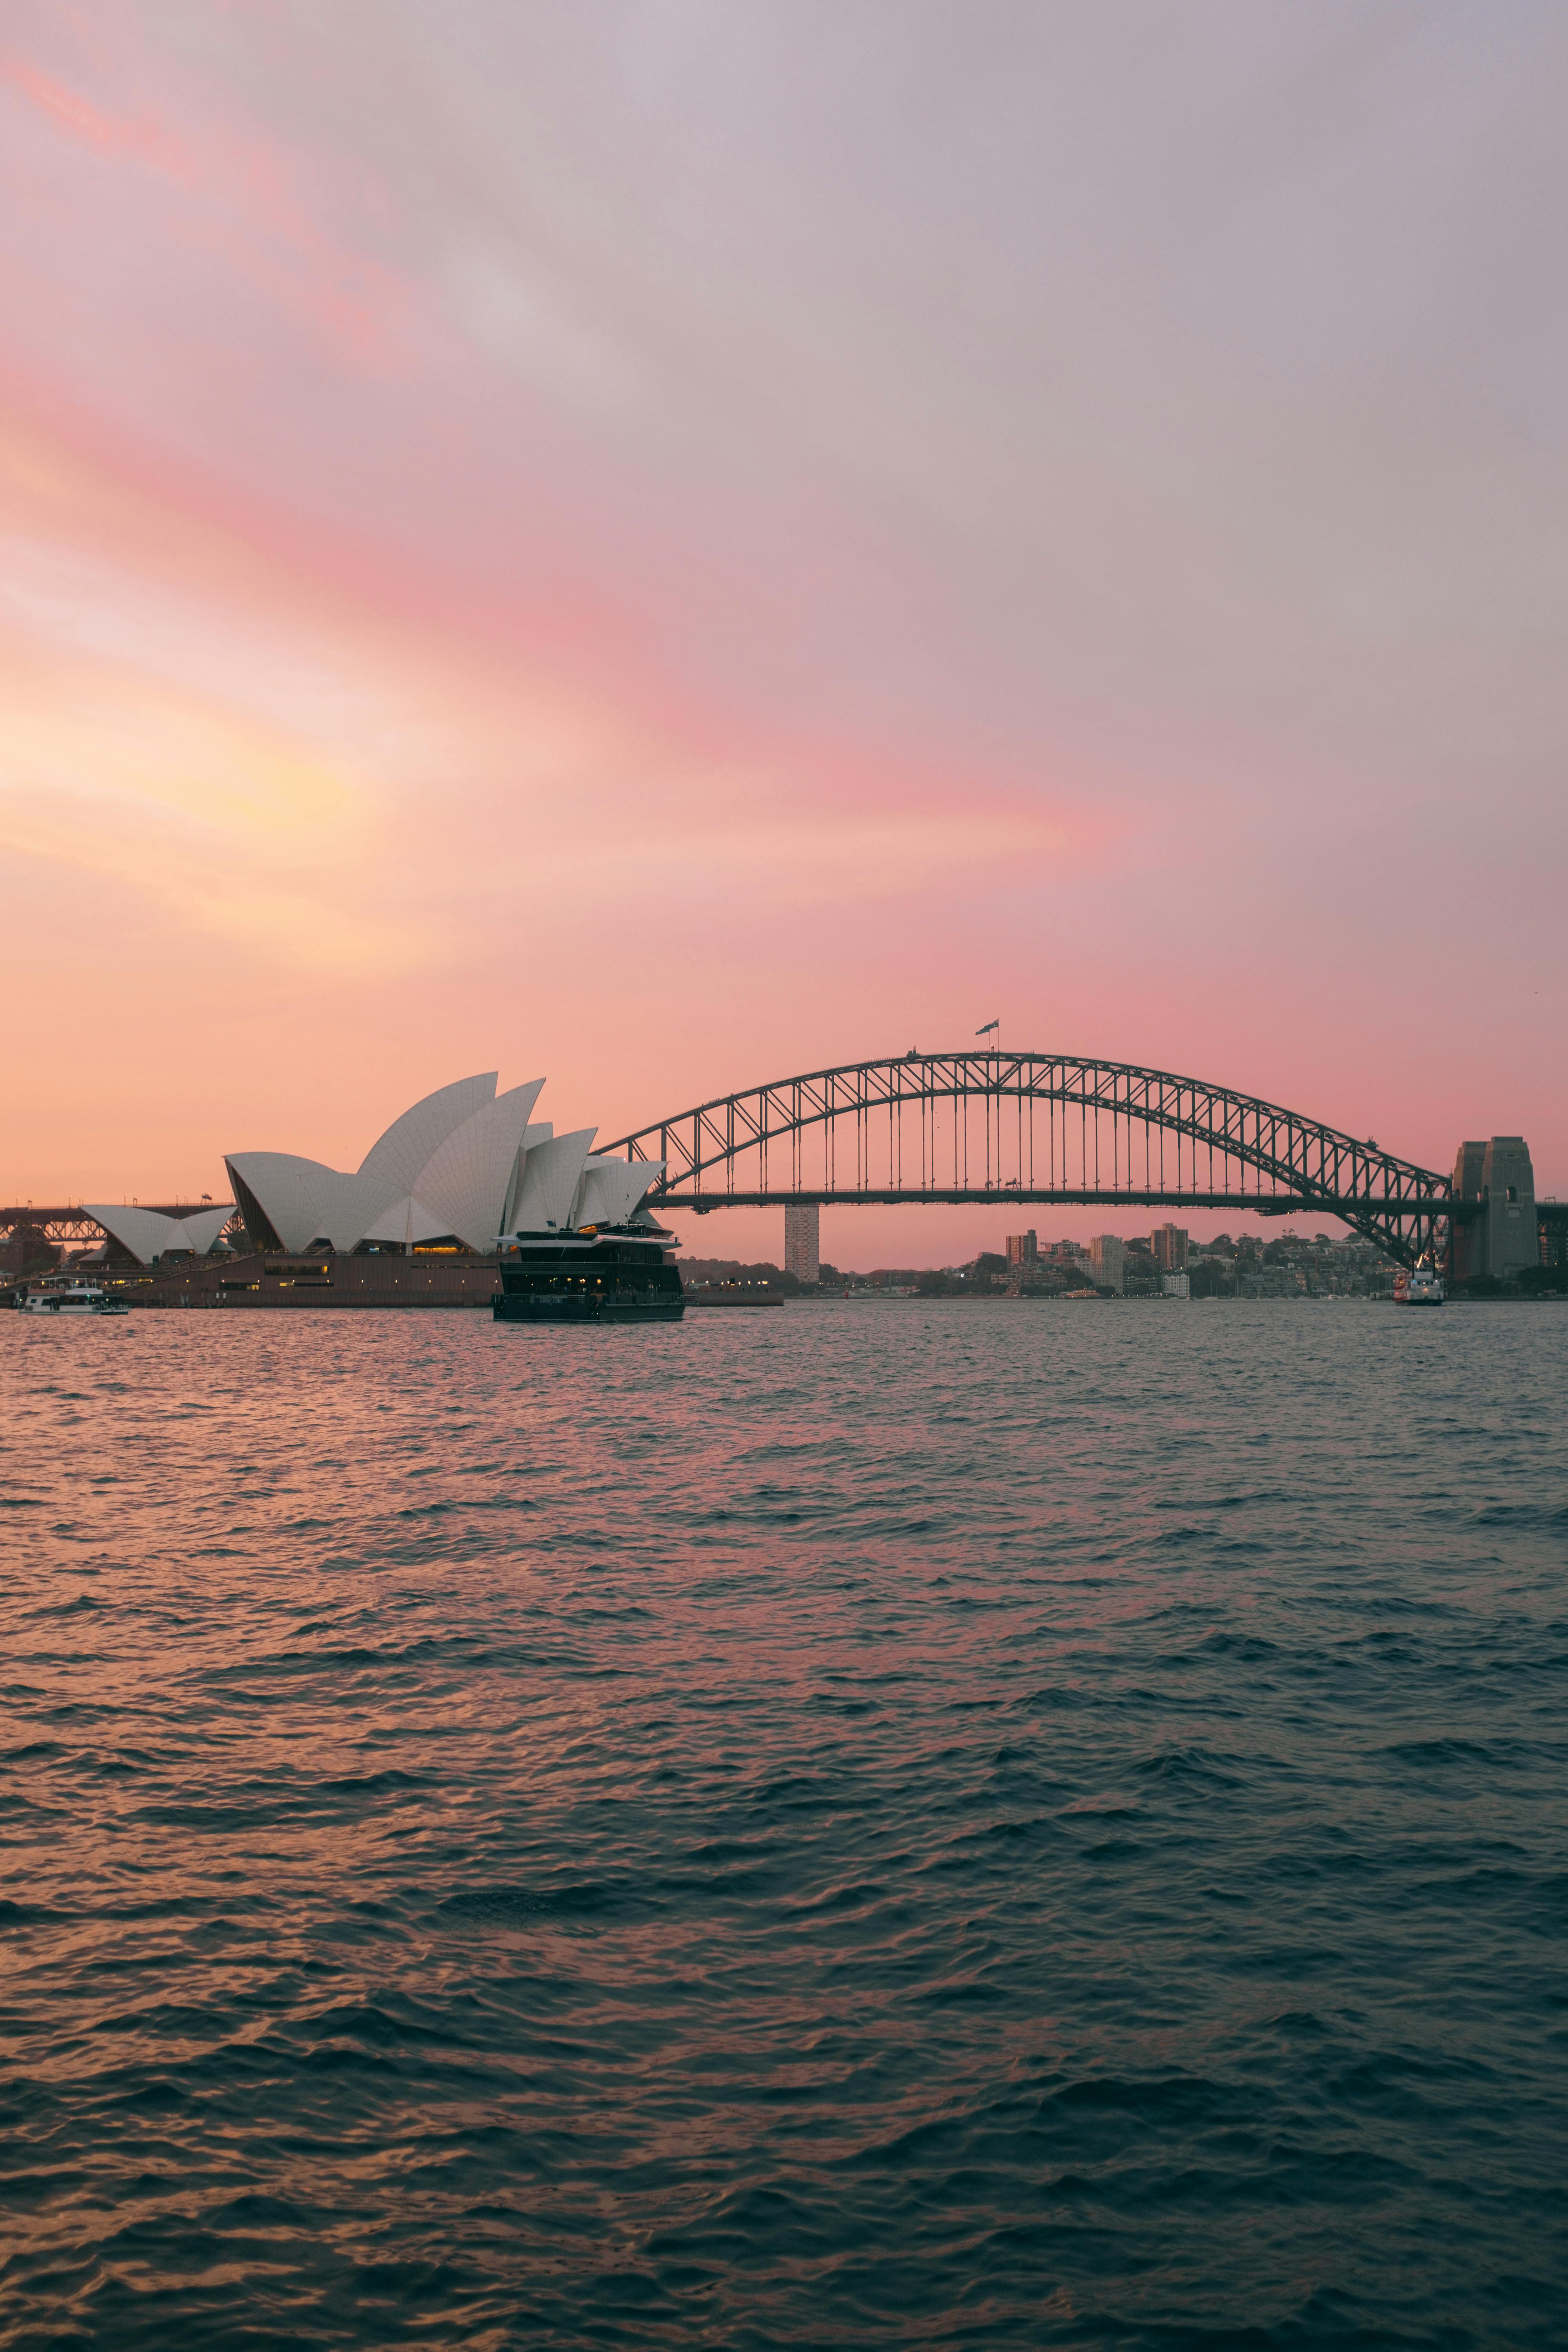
[1054, 1127]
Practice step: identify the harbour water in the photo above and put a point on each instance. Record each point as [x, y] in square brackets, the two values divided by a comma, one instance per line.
[878, 1825]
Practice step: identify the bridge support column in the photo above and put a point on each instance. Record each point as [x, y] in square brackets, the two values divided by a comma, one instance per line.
[1501, 1241]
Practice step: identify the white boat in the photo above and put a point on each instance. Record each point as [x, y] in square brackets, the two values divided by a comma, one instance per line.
[1421, 1286]
[71, 1298]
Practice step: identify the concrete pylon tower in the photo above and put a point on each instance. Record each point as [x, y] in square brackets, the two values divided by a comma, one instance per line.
[1501, 1241]
[1468, 1236]
[1508, 1187]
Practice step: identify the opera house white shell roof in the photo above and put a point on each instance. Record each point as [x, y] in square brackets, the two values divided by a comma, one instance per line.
[465, 1165]
[147, 1233]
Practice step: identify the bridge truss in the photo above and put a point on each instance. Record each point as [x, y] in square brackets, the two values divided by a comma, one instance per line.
[1038, 1127]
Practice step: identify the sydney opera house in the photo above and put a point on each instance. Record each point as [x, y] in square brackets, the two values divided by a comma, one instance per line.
[458, 1172]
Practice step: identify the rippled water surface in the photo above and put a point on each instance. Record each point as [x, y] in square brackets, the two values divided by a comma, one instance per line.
[863, 1825]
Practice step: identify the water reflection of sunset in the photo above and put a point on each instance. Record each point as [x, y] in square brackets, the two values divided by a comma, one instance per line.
[764, 1809]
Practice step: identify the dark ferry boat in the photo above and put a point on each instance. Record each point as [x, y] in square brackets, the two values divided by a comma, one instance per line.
[606, 1274]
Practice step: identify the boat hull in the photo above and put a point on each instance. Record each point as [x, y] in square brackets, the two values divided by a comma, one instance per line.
[73, 1307]
[542, 1308]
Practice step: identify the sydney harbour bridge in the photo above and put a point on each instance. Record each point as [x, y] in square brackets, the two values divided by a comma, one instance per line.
[1011, 1129]
[1056, 1128]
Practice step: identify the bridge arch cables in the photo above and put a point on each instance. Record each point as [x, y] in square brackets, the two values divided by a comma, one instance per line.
[1012, 1127]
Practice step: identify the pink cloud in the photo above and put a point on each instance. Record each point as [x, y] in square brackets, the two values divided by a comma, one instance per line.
[508, 529]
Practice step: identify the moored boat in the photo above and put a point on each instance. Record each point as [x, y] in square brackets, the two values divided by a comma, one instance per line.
[1421, 1285]
[71, 1298]
[599, 1275]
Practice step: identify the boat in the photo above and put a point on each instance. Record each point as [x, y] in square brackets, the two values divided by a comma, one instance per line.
[600, 1274]
[1420, 1286]
[71, 1298]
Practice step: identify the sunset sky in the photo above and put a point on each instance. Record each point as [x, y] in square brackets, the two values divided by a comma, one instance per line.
[666, 545]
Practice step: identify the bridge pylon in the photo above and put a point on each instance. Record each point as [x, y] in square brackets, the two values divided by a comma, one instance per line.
[1494, 1180]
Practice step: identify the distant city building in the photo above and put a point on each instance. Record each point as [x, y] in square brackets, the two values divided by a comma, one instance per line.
[803, 1242]
[1108, 1262]
[1022, 1253]
[1175, 1285]
[1168, 1244]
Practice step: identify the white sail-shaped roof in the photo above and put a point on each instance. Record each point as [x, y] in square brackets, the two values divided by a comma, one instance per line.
[201, 1229]
[531, 1137]
[346, 1207]
[141, 1231]
[147, 1233]
[408, 1221]
[464, 1161]
[469, 1177]
[304, 1201]
[611, 1189]
[398, 1158]
[550, 1178]
[290, 1190]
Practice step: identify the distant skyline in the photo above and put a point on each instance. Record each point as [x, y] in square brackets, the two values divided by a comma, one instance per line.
[669, 545]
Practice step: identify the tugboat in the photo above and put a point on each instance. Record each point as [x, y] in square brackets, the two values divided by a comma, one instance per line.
[600, 1274]
[71, 1298]
[1421, 1285]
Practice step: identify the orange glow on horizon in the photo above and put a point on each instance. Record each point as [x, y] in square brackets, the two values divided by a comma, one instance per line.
[503, 564]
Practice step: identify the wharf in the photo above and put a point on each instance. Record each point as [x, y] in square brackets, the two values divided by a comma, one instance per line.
[276, 1280]
[733, 1299]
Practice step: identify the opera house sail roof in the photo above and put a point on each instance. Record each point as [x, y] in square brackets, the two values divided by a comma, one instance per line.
[147, 1233]
[465, 1166]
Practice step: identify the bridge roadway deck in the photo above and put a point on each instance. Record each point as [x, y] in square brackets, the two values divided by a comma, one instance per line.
[1346, 1206]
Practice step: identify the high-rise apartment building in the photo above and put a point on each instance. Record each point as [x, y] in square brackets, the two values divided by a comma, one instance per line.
[1022, 1253]
[1169, 1245]
[1108, 1262]
[803, 1242]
